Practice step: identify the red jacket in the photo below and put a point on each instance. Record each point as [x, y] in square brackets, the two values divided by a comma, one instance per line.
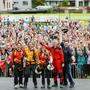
[58, 57]
[42, 58]
[17, 56]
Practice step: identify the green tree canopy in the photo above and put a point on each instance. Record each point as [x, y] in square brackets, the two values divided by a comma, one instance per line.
[64, 3]
[38, 2]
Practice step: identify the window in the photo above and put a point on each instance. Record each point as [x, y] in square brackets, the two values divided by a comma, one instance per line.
[72, 3]
[80, 3]
[50, 3]
[86, 3]
[25, 2]
[15, 2]
[9, 5]
[4, 3]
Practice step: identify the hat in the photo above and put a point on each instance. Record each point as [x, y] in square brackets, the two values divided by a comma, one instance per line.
[2, 44]
[65, 30]
[55, 41]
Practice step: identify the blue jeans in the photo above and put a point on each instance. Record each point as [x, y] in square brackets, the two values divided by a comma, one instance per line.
[69, 74]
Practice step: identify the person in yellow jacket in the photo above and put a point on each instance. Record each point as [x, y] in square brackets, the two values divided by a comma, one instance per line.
[31, 57]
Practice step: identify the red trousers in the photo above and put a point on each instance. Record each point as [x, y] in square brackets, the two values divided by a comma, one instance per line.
[58, 72]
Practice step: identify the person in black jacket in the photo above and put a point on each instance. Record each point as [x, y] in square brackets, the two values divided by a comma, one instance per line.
[67, 64]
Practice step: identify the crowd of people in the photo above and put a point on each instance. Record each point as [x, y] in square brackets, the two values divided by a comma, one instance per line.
[47, 48]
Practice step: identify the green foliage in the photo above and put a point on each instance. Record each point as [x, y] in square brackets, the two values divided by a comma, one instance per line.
[38, 2]
[50, 11]
[65, 3]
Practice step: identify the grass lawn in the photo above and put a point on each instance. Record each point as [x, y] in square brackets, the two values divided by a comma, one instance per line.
[59, 15]
[84, 18]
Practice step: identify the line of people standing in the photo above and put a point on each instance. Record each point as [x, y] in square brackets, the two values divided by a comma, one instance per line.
[26, 59]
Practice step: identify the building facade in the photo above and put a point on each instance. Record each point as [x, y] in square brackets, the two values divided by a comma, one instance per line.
[82, 3]
[5, 5]
[1, 5]
[22, 4]
[73, 3]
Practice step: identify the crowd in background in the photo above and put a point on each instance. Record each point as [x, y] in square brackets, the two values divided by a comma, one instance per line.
[28, 31]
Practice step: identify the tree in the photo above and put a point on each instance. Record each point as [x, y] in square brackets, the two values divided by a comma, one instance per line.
[38, 2]
[64, 3]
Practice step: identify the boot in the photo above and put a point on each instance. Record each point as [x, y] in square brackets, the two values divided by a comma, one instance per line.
[25, 85]
[48, 86]
[43, 86]
[55, 84]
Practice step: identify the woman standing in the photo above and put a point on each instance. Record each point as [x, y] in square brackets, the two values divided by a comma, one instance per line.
[80, 62]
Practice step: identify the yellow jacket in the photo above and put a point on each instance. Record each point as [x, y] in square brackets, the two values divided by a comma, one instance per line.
[29, 54]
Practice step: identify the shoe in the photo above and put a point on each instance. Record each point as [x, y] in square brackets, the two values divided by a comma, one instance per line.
[21, 86]
[43, 86]
[72, 85]
[55, 85]
[61, 86]
[16, 86]
[48, 87]
[65, 85]
[35, 86]
[25, 85]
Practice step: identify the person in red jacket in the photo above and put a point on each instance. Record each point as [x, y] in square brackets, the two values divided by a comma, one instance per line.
[58, 61]
[17, 57]
[43, 62]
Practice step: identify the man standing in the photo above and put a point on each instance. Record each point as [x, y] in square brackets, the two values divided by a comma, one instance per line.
[31, 61]
[17, 56]
[30, 56]
[67, 64]
[58, 61]
[43, 62]
[26, 65]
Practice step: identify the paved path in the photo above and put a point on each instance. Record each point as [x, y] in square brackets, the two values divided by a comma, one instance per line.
[7, 84]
